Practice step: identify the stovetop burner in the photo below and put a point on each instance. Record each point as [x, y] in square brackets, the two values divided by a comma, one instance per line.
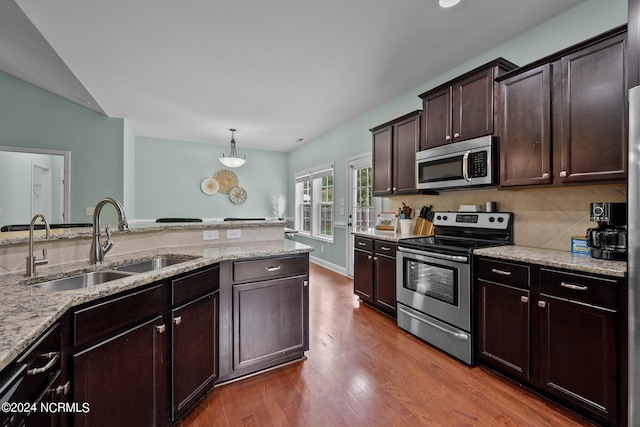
[461, 232]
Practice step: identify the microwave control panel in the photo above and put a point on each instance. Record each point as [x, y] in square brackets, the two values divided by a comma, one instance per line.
[478, 164]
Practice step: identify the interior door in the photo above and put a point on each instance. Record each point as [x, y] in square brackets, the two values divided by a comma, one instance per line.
[363, 207]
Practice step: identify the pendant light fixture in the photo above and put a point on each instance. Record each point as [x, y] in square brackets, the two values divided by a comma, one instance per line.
[233, 161]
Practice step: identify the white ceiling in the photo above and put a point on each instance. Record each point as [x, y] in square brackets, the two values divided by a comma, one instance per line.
[276, 70]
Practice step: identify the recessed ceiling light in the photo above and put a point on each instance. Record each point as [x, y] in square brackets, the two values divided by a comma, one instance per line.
[448, 3]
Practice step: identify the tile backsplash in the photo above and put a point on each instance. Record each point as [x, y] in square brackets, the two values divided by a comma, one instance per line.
[543, 217]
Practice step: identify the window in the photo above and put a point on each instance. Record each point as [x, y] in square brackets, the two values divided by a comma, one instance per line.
[363, 209]
[314, 202]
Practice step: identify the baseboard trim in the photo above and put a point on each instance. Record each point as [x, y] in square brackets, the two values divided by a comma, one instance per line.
[326, 264]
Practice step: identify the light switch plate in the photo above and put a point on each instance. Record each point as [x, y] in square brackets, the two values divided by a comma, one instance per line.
[210, 235]
[234, 234]
[89, 211]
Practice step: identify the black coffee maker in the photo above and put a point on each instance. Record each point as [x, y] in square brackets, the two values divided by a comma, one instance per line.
[609, 239]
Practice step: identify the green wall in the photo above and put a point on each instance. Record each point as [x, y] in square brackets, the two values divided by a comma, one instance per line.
[169, 173]
[583, 21]
[33, 117]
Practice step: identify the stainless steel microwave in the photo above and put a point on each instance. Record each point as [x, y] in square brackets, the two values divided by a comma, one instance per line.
[460, 164]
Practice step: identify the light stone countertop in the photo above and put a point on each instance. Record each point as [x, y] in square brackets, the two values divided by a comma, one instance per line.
[554, 258]
[27, 312]
[390, 236]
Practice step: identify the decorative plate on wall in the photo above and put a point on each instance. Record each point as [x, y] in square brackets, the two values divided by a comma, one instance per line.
[209, 186]
[238, 195]
[226, 179]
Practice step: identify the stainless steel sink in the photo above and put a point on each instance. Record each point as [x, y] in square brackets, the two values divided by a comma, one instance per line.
[151, 264]
[82, 280]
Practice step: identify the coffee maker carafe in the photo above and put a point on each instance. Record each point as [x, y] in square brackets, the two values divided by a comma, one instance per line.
[609, 239]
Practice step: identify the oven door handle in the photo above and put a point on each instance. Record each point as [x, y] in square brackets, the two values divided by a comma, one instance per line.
[455, 334]
[454, 258]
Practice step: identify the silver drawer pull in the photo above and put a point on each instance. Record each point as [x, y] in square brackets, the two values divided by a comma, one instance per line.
[305, 283]
[161, 328]
[524, 299]
[504, 273]
[574, 287]
[542, 304]
[276, 268]
[384, 248]
[177, 320]
[54, 356]
[62, 389]
[362, 244]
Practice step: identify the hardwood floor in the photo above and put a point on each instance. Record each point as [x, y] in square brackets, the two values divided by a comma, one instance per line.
[362, 370]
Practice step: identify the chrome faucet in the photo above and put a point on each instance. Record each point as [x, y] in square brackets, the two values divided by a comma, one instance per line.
[97, 249]
[31, 259]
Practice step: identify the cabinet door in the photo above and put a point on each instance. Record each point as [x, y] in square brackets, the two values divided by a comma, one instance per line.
[363, 275]
[269, 321]
[406, 138]
[385, 283]
[578, 354]
[525, 135]
[593, 127]
[503, 327]
[436, 113]
[194, 358]
[118, 379]
[382, 162]
[472, 106]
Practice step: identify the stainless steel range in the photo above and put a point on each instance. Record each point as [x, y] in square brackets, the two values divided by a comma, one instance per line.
[434, 277]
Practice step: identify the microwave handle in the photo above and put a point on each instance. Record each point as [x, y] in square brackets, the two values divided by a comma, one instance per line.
[465, 166]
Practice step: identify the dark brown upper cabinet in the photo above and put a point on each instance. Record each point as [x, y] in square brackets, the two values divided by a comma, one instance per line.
[394, 155]
[563, 119]
[462, 108]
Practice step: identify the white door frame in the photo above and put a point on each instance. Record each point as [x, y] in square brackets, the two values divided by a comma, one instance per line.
[356, 162]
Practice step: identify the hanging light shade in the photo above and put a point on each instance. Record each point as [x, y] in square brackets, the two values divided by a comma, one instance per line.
[233, 161]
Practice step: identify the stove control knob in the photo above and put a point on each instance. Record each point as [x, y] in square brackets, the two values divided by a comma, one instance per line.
[491, 219]
[500, 219]
[438, 217]
[445, 217]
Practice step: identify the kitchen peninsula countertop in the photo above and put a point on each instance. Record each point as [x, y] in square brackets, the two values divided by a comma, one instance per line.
[556, 258]
[27, 312]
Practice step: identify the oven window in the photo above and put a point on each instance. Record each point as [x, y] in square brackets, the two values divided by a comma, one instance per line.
[431, 280]
[440, 170]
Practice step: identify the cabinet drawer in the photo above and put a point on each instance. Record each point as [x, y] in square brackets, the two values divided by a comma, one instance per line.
[385, 248]
[268, 268]
[363, 244]
[42, 360]
[580, 287]
[99, 320]
[194, 285]
[504, 272]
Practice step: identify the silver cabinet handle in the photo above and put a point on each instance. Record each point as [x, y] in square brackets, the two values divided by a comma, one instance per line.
[456, 135]
[384, 248]
[161, 328]
[563, 174]
[458, 335]
[177, 320]
[276, 268]
[54, 356]
[574, 287]
[388, 188]
[524, 299]
[545, 175]
[369, 257]
[542, 304]
[448, 138]
[375, 258]
[395, 188]
[362, 244]
[504, 273]
[305, 283]
[62, 389]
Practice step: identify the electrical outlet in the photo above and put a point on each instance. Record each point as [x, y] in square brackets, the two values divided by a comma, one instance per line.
[210, 235]
[89, 211]
[234, 234]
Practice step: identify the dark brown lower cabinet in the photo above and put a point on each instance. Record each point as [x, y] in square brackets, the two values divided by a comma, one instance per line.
[194, 351]
[374, 273]
[561, 332]
[117, 378]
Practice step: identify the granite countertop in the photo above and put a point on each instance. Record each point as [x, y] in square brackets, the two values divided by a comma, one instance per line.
[555, 258]
[27, 312]
[390, 236]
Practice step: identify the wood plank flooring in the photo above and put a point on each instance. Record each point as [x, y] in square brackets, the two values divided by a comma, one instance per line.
[362, 370]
